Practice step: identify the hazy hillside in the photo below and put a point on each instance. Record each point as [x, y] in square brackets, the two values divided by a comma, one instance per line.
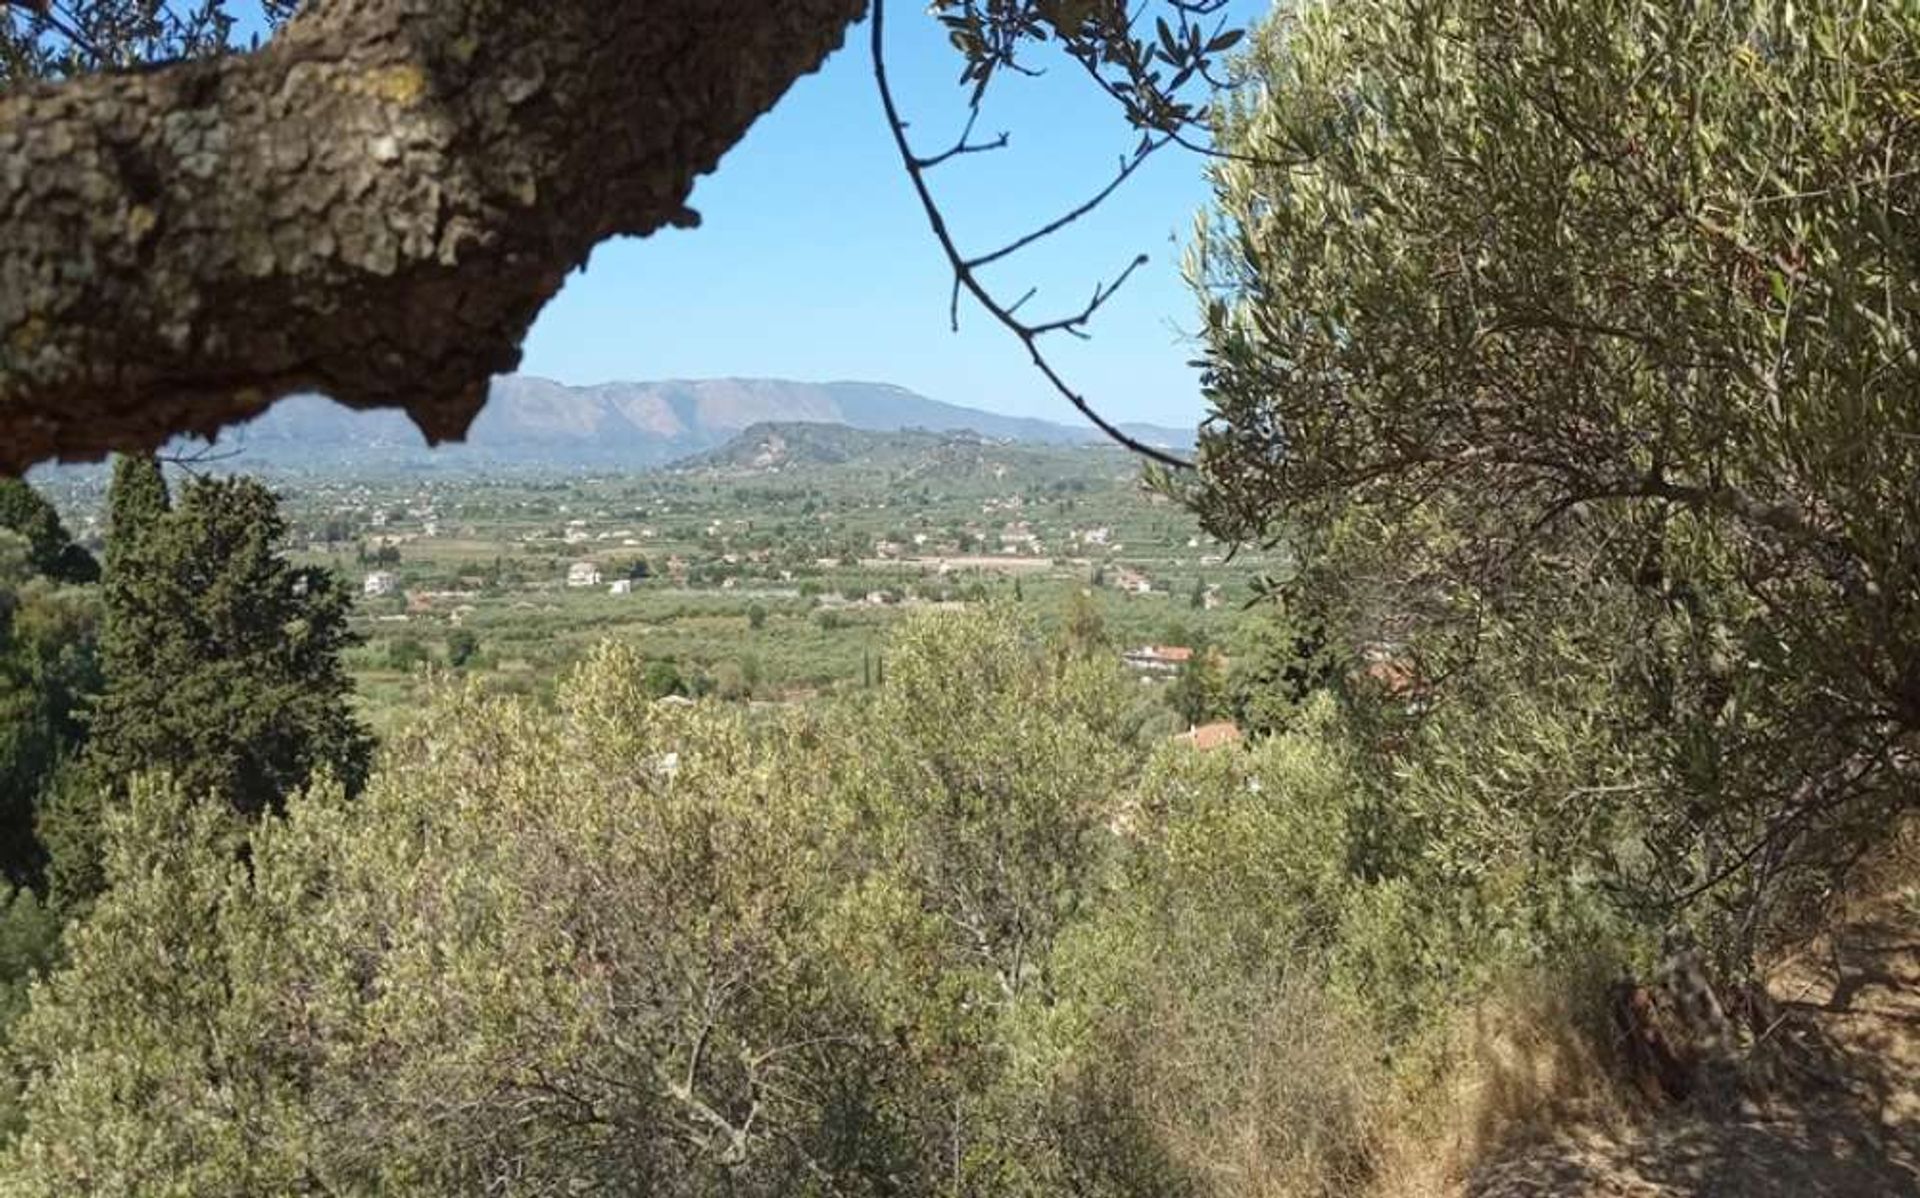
[538, 421]
[774, 446]
[797, 447]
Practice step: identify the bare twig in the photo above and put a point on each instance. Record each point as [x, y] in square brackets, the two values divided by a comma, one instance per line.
[193, 460]
[964, 268]
[1126, 170]
[1837, 786]
[962, 145]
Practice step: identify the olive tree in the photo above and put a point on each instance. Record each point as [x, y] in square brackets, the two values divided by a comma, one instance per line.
[1513, 311]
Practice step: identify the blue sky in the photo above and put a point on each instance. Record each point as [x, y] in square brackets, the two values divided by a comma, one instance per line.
[813, 260]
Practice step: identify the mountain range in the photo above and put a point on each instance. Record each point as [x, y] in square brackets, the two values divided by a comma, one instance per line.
[536, 421]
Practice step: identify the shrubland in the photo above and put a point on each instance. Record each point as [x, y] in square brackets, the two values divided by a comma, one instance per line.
[959, 933]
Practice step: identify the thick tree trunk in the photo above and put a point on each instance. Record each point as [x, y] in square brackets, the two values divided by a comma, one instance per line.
[373, 205]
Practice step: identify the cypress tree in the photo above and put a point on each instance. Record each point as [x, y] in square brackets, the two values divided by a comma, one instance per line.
[1085, 631]
[234, 683]
[222, 660]
[1199, 691]
[136, 501]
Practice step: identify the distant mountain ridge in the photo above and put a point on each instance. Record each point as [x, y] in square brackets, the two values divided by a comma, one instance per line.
[531, 420]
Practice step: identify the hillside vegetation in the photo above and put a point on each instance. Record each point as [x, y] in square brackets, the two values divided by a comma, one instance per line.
[782, 446]
[958, 930]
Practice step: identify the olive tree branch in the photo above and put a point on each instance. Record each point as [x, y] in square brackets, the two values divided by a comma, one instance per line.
[963, 146]
[964, 269]
[1836, 787]
[52, 18]
[1127, 166]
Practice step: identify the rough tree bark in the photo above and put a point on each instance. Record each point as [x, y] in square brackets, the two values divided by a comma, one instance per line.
[374, 205]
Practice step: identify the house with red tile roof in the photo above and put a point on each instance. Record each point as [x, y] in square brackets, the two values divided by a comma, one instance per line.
[1215, 735]
[1157, 659]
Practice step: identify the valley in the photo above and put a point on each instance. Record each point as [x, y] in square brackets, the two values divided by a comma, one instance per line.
[768, 569]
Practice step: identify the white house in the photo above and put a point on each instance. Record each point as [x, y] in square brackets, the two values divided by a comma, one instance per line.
[379, 583]
[583, 574]
[621, 586]
[1132, 581]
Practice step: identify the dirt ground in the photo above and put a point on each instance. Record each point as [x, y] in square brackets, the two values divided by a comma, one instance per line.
[1849, 1127]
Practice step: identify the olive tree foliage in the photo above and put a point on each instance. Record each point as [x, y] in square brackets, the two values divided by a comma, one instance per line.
[46, 40]
[994, 820]
[1571, 317]
[533, 958]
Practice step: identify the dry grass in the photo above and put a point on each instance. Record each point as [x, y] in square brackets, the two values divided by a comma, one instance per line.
[1246, 1091]
[1292, 1111]
[1530, 1060]
[1291, 1099]
[1277, 1092]
[1527, 1098]
[1895, 869]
